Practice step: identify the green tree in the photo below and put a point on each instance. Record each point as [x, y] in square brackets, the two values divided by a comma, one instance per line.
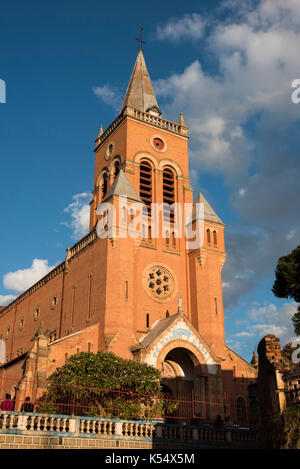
[287, 282]
[104, 385]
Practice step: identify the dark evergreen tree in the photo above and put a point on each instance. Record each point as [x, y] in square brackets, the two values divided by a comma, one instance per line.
[287, 283]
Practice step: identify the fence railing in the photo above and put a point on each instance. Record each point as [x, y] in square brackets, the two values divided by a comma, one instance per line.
[62, 425]
[106, 403]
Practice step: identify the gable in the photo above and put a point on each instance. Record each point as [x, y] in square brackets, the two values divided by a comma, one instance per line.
[179, 329]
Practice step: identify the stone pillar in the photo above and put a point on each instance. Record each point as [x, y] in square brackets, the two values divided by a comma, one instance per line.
[34, 381]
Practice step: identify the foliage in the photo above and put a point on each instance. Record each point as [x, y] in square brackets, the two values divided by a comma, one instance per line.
[104, 385]
[107, 371]
[286, 433]
[282, 432]
[287, 283]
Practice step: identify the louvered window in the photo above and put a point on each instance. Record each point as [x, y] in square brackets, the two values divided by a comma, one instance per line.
[168, 192]
[146, 185]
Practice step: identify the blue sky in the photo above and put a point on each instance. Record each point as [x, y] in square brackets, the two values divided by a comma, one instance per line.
[227, 65]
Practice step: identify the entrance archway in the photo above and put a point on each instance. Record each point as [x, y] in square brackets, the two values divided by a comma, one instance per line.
[185, 381]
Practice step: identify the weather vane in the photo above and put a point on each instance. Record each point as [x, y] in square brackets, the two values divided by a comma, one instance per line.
[139, 39]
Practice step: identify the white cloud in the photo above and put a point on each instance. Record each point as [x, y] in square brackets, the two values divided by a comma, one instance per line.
[269, 319]
[190, 26]
[244, 334]
[244, 127]
[292, 234]
[266, 310]
[22, 279]
[79, 211]
[109, 95]
[6, 299]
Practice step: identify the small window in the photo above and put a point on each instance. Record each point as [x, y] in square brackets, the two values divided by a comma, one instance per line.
[36, 313]
[104, 184]
[241, 409]
[147, 320]
[54, 302]
[117, 168]
[215, 238]
[208, 237]
[21, 324]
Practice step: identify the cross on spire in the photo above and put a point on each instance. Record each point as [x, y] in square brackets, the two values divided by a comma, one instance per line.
[139, 39]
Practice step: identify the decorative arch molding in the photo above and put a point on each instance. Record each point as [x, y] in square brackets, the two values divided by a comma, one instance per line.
[113, 162]
[104, 170]
[144, 155]
[195, 355]
[172, 164]
[188, 341]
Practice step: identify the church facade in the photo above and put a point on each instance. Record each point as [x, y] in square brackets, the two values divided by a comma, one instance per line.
[125, 289]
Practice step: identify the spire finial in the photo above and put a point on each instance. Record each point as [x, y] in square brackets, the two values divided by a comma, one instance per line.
[139, 39]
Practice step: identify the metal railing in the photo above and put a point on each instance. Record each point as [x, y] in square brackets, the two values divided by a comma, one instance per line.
[110, 403]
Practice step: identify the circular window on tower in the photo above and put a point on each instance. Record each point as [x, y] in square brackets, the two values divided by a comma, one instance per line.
[109, 151]
[158, 143]
[158, 282]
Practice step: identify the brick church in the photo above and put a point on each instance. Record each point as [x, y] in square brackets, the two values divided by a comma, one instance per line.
[144, 297]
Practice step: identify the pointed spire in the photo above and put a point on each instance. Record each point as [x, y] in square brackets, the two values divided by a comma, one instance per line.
[209, 213]
[140, 94]
[122, 188]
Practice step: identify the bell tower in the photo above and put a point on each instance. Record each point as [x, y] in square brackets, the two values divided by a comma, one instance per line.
[144, 157]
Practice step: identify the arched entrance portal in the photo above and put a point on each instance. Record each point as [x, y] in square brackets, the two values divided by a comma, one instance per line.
[180, 369]
[187, 381]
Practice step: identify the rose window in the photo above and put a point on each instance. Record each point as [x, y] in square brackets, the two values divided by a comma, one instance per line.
[159, 282]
